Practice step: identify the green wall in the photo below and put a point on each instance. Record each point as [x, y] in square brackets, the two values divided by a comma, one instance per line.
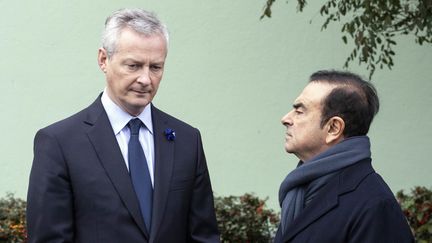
[228, 73]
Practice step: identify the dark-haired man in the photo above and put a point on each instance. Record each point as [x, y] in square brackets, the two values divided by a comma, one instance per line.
[334, 195]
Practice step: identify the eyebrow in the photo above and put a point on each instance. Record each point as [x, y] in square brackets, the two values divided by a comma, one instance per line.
[299, 105]
[131, 60]
[139, 62]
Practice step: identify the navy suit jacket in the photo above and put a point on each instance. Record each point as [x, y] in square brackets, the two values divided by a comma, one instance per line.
[355, 206]
[80, 189]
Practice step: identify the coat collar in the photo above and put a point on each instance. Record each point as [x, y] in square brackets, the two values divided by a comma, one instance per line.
[346, 181]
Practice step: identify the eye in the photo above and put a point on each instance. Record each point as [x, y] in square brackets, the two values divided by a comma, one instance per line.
[156, 68]
[298, 112]
[132, 67]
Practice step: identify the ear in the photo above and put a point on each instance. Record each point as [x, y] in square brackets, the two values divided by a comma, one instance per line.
[335, 128]
[102, 59]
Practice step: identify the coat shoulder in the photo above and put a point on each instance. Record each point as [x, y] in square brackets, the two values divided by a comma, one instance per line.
[80, 119]
[163, 117]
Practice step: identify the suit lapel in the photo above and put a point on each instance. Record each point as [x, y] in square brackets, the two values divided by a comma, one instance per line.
[164, 162]
[319, 206]
[105, 144]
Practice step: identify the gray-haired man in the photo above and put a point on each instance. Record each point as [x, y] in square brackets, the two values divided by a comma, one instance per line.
[121, 170]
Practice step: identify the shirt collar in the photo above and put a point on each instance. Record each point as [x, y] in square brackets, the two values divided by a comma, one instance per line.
[120, 118]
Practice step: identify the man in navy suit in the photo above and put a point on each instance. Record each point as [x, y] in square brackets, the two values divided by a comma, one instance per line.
[334, 194]
[89, 170]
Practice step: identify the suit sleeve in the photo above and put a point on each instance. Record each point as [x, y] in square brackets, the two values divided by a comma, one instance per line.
[383, 221]
[202, 219]
[49, 198]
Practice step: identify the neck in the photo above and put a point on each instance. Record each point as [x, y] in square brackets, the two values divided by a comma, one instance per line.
[324, 148]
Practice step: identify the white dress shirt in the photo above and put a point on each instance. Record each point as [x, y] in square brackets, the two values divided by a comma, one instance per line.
[119, 120]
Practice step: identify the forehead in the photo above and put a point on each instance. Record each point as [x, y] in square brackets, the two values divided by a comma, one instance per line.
[314, 93]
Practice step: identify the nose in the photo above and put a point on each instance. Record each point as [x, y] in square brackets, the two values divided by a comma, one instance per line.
[286, 120]
[144, 77]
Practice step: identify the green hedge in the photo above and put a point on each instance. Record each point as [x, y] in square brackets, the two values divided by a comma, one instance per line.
[12, 219]
[240, 218]
[417, 207]
[245, 219]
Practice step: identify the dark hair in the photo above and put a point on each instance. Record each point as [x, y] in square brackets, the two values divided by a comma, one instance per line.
[353, 99]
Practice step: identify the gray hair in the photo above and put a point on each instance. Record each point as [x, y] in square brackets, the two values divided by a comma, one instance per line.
[139, 20]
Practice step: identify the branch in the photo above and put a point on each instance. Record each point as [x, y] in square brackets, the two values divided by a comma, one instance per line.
[374, 25]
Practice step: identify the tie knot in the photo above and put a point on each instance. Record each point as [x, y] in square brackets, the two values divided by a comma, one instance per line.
[134, 126]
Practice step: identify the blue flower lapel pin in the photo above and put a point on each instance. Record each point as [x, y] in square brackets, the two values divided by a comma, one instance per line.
[170, 134]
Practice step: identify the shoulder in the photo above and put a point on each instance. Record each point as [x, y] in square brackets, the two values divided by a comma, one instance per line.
[77, 121]
[362, 178]
[379, 218]
[362, 192]
[371, 208]
[376, 197]
[360, 181]
[161, 117]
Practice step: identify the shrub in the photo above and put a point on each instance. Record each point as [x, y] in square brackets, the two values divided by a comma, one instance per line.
[240, 218]
[245, 219]
[12, 219]
[417, 207]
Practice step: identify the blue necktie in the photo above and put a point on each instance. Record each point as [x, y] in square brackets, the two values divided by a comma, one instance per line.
[139, 172]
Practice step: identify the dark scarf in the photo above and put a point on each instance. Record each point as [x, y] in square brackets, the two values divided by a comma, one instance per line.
[304, 182]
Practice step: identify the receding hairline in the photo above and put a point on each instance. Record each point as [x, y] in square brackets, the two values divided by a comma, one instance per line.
[349, 85]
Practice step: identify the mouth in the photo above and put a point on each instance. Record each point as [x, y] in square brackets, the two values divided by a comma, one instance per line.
[141, 92]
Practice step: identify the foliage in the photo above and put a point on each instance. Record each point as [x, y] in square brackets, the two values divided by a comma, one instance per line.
[374, 24]
[12, 219]
[240, 218]
[245, 219]
[417, 207]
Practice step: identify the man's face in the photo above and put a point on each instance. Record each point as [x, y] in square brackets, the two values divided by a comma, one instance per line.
[134, 71]
[304, 136]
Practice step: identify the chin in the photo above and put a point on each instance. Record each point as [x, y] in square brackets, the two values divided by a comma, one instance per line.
[138, 108]
[289, 148]
[134, 108]
[141, 102]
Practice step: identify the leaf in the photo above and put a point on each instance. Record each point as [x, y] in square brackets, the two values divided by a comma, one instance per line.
[384, 18]
[245, 219]
[378, 40]
[344, 38]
